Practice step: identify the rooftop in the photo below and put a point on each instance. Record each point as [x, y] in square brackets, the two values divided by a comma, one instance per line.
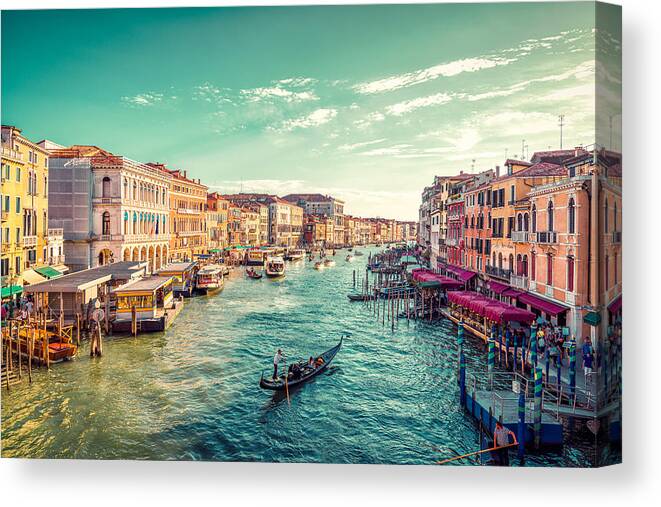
[144, 284]
[81, 280]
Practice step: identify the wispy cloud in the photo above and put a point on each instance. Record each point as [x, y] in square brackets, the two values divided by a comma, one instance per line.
[314, 119]
[277, 92]
[411, 105]
[351, 147]
[146, 99]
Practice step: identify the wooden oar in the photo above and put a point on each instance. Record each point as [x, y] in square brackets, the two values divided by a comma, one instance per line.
[287, 385]
[475, 453]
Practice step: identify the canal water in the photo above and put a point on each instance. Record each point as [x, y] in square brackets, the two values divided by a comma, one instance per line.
[192, 392]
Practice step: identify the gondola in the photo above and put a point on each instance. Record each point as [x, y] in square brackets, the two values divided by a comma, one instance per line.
[253, 274]
[279, 384]
[360, 297]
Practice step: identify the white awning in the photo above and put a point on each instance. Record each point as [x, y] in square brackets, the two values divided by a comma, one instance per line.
[31, 277]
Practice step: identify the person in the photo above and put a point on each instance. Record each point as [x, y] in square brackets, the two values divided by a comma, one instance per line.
[540, 341]
[554, 352]
[295, 372]
[311, 364]
[587, 358]
[5, 311]
[501, 439]
[320, 361]
[29, 306]
[277, 359]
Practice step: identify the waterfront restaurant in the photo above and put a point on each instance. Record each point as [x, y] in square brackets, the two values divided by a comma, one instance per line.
[150, 298]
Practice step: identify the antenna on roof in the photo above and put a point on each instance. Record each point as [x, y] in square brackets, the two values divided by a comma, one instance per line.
[561, 122]
[506, 149]
[473, 166]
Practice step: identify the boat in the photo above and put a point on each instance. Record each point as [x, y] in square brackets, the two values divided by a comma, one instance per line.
[319, 265]
[184, 277]
[253, 274]
[360, 297]
[279, 384]
[329, 263]
[209, 279]
[255, 257]
[350, 258]
[294, 254]
[350, 249]
[358, 253]
[274, 267]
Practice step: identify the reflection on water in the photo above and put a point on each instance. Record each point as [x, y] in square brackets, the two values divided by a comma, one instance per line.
[192, 393]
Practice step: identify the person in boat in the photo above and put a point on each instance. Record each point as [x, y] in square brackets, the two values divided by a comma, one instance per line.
[501, 440]
[311, 364]
[294, 372]
[277, 359]
[319, 361]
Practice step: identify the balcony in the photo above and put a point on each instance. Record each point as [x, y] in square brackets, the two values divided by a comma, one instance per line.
[106, 200]
[29, 241]
[56, 260]
[55, 234]
[188, 211]
[12, 154]
[504, 274]
[617, 237]
[547, 237]
[520, 236]
[519, 281]
[451, 242]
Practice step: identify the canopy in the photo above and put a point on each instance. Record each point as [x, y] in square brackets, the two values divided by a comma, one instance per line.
[428, 279]
[592, 318]
[408, 259]
[615, 305]
[542, 304]
[498, 287]
[215, 250]
[31, 276]
[462, 274]
[48, 272]
[412, 267]
[10, 290]
[492, 309]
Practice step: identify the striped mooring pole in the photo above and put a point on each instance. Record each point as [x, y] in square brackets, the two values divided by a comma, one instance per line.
[538, 407]
[462, 379]
[491, 358]
[533, 346]
[460, 344]
[521, 428]
[572, 368]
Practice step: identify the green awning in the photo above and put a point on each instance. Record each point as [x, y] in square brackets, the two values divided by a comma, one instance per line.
[215, 250]
[592, 318]
[408, 259]
[48, 272]
[411, 267]
[11, 290]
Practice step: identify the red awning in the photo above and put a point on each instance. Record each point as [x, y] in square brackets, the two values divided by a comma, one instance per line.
[513, 293]
[615, 305]
[542, 304]
[492, 309]
[498, 287]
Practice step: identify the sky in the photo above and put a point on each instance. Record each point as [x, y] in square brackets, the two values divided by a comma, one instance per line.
[366, 103]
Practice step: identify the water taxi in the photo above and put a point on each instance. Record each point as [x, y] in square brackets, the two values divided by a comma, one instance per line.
[184, 277]
[274, 267]
[152, 300]
[294, 254]
[209, 279]
[255, 257]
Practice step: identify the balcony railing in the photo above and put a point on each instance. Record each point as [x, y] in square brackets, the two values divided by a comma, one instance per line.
[617, 237]
[519, 281]
[505, 274]
[12, 154]
[547, 237]
[106, 200]
[188, 211]
[29, 241]
[55, 233]
[54, 260]
[520, 236]
[451, 241]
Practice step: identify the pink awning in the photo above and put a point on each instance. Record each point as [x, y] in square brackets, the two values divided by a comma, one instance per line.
[542, 304]
[615, 305]
[498, 287]
[492, 309]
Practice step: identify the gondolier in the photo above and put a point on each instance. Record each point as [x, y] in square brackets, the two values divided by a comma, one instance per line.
[277, 359]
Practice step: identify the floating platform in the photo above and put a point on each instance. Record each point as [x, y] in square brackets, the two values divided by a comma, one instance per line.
[508, 409]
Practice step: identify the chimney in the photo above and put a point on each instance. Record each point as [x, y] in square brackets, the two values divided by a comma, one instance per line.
[578, 150]
[184, 174]
[461, 172]
[497, 171]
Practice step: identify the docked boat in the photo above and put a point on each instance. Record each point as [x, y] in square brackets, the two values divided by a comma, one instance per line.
[274, 267]
[183, 274]
[360, 297]
[295, 254]
[329, 263]
[255, 257]
[209, 279]
[358, 253]
[59, 348]
[306, 372]
[251, 273]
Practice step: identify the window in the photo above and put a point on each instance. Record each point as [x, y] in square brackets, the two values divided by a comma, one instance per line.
[615, 268]
[18, 204]
[607, 266]
[524, 266]
[615, 216]
[512, 194]
[606, 216]
[18, 174]
[570, 274]
[534, 218]
[519, 222]
[17, 265]
[550, 216]
[533, 265]
[106, 224]
[519, 265]
[572, 216]
[549, 269]
[7, 203]
[526, 222]
[511, 262]
[45, 185]
[500, 261]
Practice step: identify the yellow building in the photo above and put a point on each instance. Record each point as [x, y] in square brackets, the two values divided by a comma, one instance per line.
[24, 210]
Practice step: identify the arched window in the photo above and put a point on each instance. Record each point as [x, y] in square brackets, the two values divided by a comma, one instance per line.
[549, 269]
[615, 268]
[607, 266]
[519, 264]
[533, 266]
[45, 223]
[519, 222]
[526, 222]
[615, 216]
[550, 216]
[106, 223]
[494, 260]
[105, 187]
[126, 221]
[126, 189]
[500, 261]
[606, 215]
[524, 265]
[570, 274]
[534, 218]
[135, 190]
[572, 216]
[511, 262]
